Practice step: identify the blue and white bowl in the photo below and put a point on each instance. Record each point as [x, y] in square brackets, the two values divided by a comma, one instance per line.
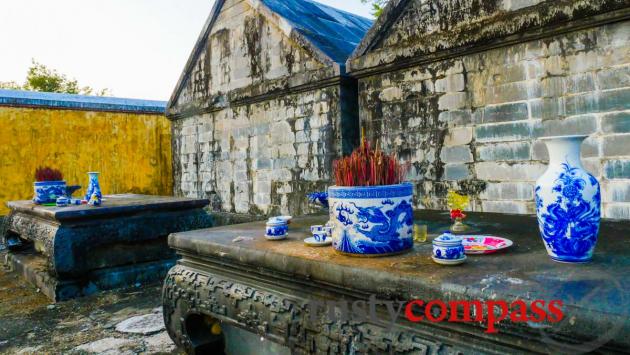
[63, 201]
[448, 247]
[371, 220]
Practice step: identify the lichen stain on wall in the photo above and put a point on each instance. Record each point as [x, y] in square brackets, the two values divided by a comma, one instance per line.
[132, 151]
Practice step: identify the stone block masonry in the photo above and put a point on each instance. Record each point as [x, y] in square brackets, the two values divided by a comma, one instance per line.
[462, 89]
[262, 109]
[470, 121]
[260, 158]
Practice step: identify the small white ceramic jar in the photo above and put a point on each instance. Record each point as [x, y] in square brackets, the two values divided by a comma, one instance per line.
[276, 229]
[448, 247]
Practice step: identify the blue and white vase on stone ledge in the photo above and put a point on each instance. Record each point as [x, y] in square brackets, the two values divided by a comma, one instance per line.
[568, 203]
[371, 220]
[94, 195]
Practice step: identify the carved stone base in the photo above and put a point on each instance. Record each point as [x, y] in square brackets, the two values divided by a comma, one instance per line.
[280, 313]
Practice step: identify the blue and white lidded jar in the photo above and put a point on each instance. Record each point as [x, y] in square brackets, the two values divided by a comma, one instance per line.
[276, 228]
[448, 247]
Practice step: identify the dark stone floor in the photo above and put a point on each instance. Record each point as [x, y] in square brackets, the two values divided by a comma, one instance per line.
[30, 324]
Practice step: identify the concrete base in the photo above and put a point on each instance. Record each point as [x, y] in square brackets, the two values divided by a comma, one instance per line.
[33, 268]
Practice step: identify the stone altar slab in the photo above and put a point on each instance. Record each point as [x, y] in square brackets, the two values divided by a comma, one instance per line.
[79, 250]
[233, 276]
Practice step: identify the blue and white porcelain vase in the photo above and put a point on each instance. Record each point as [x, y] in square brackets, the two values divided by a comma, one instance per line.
[94, 195]
[371, 220]
[48, 191]
[568, 203]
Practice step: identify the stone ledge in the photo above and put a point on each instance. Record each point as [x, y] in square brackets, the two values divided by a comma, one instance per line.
[112, 205]
[33, 269]
[523, 272]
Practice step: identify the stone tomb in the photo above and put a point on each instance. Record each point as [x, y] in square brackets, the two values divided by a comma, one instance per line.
[79, 250]
[233, 276]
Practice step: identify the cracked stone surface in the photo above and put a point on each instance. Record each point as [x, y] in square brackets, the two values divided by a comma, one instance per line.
[28, 325]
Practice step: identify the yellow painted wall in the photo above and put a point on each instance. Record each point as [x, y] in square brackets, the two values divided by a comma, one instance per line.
[132, 151]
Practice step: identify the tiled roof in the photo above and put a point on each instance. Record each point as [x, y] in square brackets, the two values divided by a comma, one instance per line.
[79, 102]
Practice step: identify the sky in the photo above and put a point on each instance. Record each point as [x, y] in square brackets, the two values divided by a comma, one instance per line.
[134, 48]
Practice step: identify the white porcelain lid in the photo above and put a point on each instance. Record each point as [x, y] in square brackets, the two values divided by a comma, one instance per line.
[448, 239]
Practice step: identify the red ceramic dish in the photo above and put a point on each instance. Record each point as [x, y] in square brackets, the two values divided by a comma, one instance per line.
[484, 244]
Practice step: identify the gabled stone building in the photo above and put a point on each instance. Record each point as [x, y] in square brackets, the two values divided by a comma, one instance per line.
[463, 89]
[264, 104]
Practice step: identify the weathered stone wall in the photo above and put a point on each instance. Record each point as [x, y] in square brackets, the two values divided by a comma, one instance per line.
[258, 121]
[260, 158]
[471, 121]
[245, 56]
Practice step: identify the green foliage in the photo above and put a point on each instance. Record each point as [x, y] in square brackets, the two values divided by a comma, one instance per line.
[377, 6]
[11, 85]
[41, 78]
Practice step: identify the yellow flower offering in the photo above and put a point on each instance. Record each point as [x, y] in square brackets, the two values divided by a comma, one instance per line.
[455, 201]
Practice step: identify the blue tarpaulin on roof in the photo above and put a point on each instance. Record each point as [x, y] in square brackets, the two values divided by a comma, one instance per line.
[334, 32]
